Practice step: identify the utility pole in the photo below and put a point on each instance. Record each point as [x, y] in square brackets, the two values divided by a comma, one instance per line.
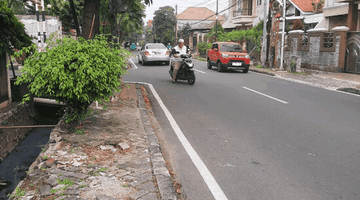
[264, 33]
[283, 37]
[176, 26]
[216, 20]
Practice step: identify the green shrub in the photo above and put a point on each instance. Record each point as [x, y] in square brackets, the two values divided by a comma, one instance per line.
[203, 47]
[74, 72]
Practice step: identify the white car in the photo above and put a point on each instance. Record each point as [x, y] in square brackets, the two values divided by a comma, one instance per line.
[154, 52]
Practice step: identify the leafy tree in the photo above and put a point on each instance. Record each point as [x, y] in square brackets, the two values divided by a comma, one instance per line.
[12, 32]
[20, 7]
[74, 72]
[216, 35]
[62, 9]
[203, 47]
[185, 32]
[254, 34]
[149, 36]
[92, 13]
[164, 24]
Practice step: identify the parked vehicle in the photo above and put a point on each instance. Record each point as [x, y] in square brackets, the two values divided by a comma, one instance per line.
[228, 55]
[186, 71]
[154, 52]
[133, 46]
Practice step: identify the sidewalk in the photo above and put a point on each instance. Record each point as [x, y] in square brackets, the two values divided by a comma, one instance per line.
[345, 82]
[113, 154]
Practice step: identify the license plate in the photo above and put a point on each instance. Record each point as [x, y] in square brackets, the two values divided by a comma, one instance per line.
[157, 52]
[237, 64]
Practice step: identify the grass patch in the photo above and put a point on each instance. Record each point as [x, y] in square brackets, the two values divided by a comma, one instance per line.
[298, 73]
[258, 66]
[200, 58]
[65, 182]
[18, 193]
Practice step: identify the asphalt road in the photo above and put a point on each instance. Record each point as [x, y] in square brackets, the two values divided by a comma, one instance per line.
[259, 136]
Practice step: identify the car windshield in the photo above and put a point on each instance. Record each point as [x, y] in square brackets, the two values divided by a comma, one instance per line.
[156, 46]
[230, 48]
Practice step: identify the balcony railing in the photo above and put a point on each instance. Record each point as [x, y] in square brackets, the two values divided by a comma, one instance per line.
[242, 12]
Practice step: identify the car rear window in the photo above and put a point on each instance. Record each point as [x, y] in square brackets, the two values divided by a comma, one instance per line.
[230, 48]
[156, 46]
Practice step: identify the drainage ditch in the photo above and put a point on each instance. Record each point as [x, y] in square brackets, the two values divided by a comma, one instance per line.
[14, 167]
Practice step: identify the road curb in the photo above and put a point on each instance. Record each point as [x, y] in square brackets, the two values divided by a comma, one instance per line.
[163, 177]
[261, 72]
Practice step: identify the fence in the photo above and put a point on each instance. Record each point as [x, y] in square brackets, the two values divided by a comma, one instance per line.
[317, 49]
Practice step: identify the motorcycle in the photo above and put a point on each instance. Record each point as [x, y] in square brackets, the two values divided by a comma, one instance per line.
[186, 71]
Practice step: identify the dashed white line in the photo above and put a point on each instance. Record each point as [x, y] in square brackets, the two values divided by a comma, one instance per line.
[204, 171]
[200, 71]
[266, 95]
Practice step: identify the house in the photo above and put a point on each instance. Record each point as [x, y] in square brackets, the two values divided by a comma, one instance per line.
[201, 20]
[195, 15]
[244, 14]
[336, 13]
[199, 32]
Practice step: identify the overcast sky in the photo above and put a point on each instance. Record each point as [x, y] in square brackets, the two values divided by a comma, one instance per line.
[183, 4]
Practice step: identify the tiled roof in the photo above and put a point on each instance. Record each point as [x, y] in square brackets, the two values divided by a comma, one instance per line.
[196, 13]
[305, 5]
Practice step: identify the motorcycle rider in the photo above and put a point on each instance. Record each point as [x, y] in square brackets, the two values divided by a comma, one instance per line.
[177, 61]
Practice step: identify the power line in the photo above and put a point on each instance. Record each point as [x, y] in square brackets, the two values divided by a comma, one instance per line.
[218, 12]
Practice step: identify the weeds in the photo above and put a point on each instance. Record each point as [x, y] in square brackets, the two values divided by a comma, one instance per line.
[45, 157]
[102, 169]
[79, 131]
[258, 66]
[82, 186]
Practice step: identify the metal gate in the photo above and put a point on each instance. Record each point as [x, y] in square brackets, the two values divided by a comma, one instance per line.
[352, 55]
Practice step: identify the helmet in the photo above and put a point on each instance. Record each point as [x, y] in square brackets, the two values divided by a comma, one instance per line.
[181, 40]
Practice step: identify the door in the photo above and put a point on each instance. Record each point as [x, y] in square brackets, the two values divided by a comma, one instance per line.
[352, 55]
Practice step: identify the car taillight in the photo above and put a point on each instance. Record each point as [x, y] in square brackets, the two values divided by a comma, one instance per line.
[147, 53]
[167, 53]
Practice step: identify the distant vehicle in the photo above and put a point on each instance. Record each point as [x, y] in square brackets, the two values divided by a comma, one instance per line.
[133, 46]
[228, 55]
[154, 52]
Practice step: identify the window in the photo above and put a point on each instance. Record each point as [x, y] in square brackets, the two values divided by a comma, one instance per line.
[156, 46]
[328, 40]
[238, 5]
[215, 46]
[258, 2]
[303, 43]
[231, 48]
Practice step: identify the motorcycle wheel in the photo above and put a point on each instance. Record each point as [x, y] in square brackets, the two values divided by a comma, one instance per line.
[191, 79]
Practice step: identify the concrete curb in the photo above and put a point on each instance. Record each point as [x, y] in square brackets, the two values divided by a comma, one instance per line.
[163, 177]
[262, 72]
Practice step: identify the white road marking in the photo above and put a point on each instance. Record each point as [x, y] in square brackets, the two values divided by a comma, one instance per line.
[132, 63]
[266, 95]
[200, 71]
[205, 173]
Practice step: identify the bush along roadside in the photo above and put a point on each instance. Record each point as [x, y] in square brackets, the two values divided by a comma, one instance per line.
[74, 72]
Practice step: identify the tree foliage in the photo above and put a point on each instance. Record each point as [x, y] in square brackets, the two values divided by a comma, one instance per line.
[185, 31]
[61, 9]
[213, 34]
[74, 72]
[164, 24]
[12, 31]
[254, 34]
